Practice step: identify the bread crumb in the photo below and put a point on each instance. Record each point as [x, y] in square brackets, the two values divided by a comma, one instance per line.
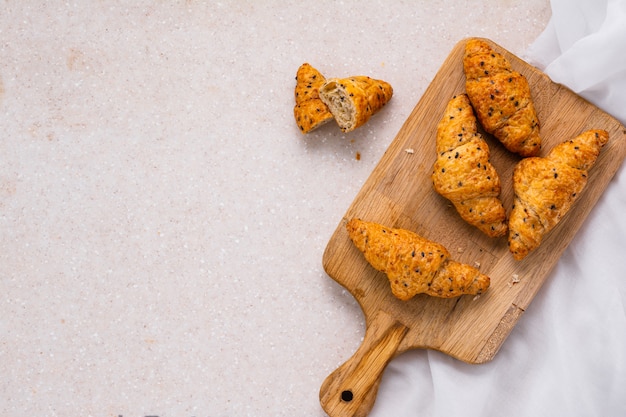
[476, 297]
[514, 280]
[460, 249]
[476, 264]
[410, 151]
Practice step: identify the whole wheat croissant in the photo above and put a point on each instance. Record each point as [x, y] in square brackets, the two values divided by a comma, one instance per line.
[462, 172]
[546, 188]
[414, 264]
[501, 98]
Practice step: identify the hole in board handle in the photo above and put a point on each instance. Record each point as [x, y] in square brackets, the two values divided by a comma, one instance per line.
[347, 396]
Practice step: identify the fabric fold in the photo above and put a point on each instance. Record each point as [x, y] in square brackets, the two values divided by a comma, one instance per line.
[583, 48]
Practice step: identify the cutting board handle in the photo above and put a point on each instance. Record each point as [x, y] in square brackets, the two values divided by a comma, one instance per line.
[350, 391]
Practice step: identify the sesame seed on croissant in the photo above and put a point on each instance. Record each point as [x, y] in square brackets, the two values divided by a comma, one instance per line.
[501, 98]
[310, 112]
[546, 188]
[462, 172]
[414, 264]
[353, 100]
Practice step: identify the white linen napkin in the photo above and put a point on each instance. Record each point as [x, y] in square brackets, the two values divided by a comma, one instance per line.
[584, 48]
[567, 354]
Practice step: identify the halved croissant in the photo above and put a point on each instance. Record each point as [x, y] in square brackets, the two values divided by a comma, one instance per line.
[310, 112]
[352, 101]
[462, 172]
[414, 264]
[546, 188]
[501, 98]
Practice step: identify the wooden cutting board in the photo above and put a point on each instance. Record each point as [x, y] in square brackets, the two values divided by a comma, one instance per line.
[399, 193]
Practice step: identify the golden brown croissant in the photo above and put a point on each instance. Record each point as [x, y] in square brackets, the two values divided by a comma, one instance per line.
[413, 264]
[546, 188]
[462, 172]
[501, 98]
[310, 112]
[352, 101]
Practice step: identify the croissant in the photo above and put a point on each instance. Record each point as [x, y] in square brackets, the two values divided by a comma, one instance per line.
[310, 112]
[413, 264]
[352, 101]
[462, 172]
[501, 98]
[546, 188]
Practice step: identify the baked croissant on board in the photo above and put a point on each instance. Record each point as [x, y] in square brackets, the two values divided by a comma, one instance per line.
[310, 112]
[546, 188]
[462, 172]
[501, 98]
[414, 264]
[353, 100]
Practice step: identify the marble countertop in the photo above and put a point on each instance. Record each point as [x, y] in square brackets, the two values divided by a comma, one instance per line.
[163, 219]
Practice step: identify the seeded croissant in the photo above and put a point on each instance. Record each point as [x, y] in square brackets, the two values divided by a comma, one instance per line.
[414, 264]
[546, 188]
[501, 98]
[462, 172]
[310, 112]
[352, 101]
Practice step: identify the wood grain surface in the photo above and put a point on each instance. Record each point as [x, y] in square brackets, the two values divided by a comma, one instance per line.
[399, 193]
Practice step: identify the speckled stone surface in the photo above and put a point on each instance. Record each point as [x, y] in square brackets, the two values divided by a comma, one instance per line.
[163, 219]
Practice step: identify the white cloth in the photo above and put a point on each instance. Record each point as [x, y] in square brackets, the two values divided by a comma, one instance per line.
[584, 48]
[567, 354]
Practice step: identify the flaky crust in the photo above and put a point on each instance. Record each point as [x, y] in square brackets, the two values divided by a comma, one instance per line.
[352, 101]
[462, 172]
[310, 112]
[501, 98]
[413, 264]
[546, 188]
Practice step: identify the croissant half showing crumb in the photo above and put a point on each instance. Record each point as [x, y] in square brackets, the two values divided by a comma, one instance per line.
[413, 264]
[501, 98]
[352, 101]
[546, 188]
[462, 172]
[310, 112]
